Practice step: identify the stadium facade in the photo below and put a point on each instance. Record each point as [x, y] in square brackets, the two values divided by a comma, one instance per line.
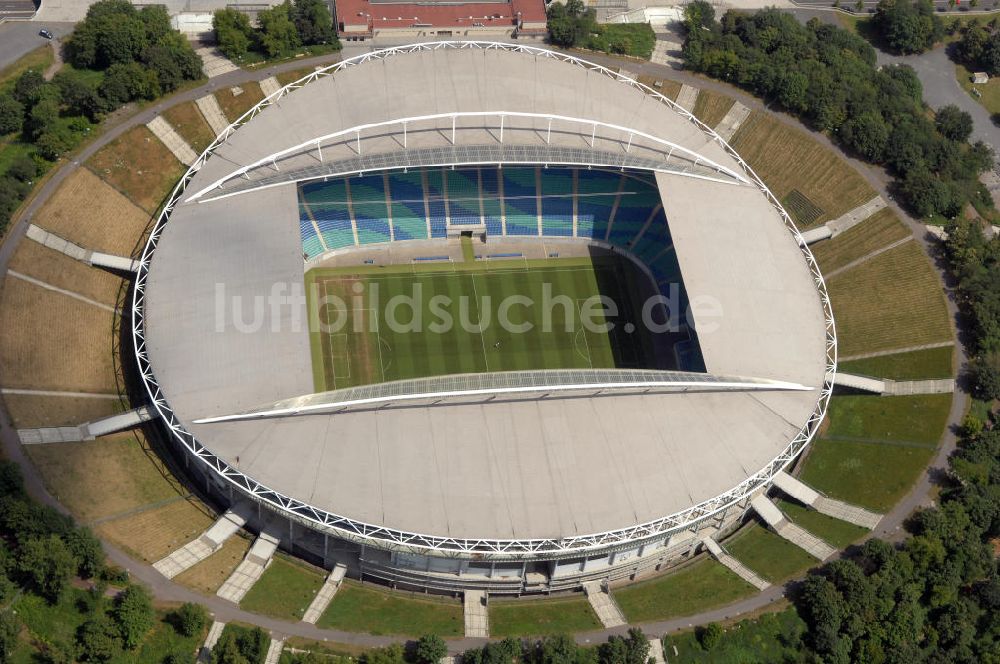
[510, 482]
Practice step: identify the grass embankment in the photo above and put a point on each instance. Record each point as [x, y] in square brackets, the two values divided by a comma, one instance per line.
[188, 121]
[711, 107]
[769, 555]
[358, 608]
[878, 231]
[285, 590]
[667, 87]
[209, 575]
[699, 586]
[911, 365]
[234, 105]
[772, 637]
[989, 93]
[788, 160]
[139, 166]
[894, 300]
[541, 617]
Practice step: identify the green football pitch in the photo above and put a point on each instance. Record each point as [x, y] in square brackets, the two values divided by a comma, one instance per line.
[376, 324]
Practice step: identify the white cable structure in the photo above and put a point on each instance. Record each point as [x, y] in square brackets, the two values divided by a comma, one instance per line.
[355, 135]
[484, 548]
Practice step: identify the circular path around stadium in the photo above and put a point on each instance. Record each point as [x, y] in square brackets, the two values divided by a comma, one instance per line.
[168, 591]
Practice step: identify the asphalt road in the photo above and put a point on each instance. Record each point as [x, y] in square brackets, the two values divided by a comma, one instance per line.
[19, 37]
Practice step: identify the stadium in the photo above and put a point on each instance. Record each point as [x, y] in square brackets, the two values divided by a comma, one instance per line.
[282, 322]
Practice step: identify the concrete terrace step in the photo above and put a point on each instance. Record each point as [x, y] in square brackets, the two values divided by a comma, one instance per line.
[274, 651]
[687, 97]
[837, 509]
[325, 595]
[209, 107]
[208, 543]
[797, 535]
[733, 120]
[736, 566]
[603, 604]
[170, 138]
[477, 617]
[214, 632]
[249, 571]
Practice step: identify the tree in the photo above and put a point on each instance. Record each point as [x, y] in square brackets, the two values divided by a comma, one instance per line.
[710, 635]
[558, 649]
[48, 564]
[87, 550]
[313, 22]
[698, 14]
[953, 123]
[126, 82]
[173, 60]
[190, 618]
[11, 114]
[278, 35]
[78, 94]
[986, 376]
[10, 627]
[908, 26]
[97, 639]
[44, 113]
[227, 650]
[133, 613]
[233, 33]
[389, 655]
[569, 23]
[28, 87]
[430, 649]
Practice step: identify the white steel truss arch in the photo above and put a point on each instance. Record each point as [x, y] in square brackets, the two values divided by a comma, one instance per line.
[356, 134]
[485, 548]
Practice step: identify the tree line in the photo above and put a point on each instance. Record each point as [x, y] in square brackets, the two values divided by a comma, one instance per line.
[573, 24]
[827, 77]
[116, 55]
[280, 30]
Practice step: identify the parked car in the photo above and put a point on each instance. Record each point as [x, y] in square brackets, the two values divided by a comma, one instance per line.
[45, 33]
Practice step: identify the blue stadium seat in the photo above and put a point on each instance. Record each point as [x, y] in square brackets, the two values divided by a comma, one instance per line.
[311, 246]
[557, 201]
[463, 197]
[435, 203]
[326, 203]
[656, 237]
[634, 207]
[489, 179]
[520, 200]
[406, 193]
[596, 192]
[371, 214]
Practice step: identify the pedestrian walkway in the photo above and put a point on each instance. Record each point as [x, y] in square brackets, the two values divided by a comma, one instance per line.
[837, 509]
[887, 387]
[687, 97]
[867, 257]
[208, 543]
[477, 615]
[89, 430]
[164, 131]
[274, 651]
[94, 258]
[269, 86]
[325, 595]
[603, 604]
[214, 632]
[797, 535]
[250, 570]
[656, 651]
[213, 62]
[844, 222]
[895, 351]
[736, 566]
[733, 120]
[209, 107]
[666, 52]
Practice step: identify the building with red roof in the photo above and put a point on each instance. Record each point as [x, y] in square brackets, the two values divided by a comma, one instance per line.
[364, 19]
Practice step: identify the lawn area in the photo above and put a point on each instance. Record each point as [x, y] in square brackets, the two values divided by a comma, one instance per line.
[285, 590]
[833, 531]
[767, 554]
[39, 59]
[291, 76]
[772, 637]
[138, 165]
[635, 39]
[912, 365]
[872, 475]
[344, 357]
[697, 587]
[188, 121]
[879, 230]
[164, 641]
[892, 301]
[29, 410]
[209, 575]
[233, 106]
[79, 474]
[989, 92]
[153, 533]
[668, 88]
[916, 420]
[541, 617]
[788, 159]
[11, 149]
[365, 608]
[711, 107]
[53, 623]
